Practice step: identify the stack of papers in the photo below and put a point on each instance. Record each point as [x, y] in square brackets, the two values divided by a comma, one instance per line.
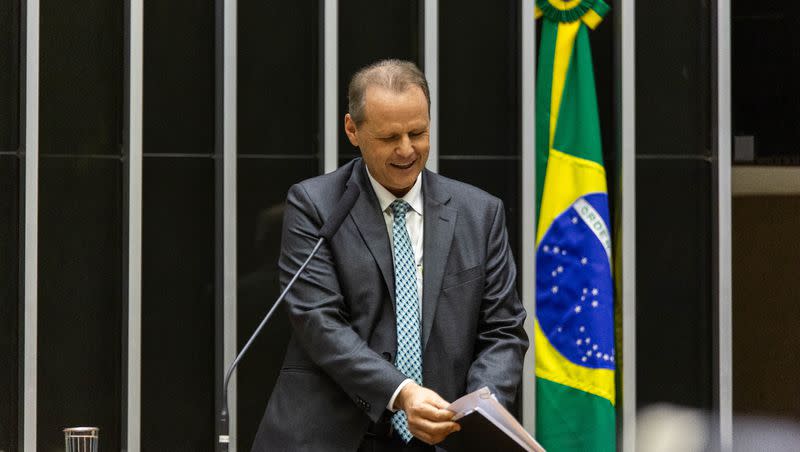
[487, 425]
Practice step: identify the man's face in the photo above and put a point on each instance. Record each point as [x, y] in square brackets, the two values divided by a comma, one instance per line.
[394, 137]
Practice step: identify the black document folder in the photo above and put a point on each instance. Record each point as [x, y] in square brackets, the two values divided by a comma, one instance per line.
[487, 426]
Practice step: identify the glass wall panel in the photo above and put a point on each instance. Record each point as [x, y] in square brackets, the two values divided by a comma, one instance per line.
[479, 102]
[766, 67]
[263, 184]
[674, 305]
[674, 324]
[673, 78]
[9, 222]
[9, 76]
[370, 31]
[178, 77]
[9, 300]
[479, 111]
[178, 304]
[178, 227]
[80, 220]
[279, 77]
[80, 299]
[279, 135]
[81, 76]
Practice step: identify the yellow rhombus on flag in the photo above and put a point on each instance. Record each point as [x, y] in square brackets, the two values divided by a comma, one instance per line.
[574, 326]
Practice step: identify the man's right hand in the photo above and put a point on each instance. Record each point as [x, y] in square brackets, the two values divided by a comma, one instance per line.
[428, 418]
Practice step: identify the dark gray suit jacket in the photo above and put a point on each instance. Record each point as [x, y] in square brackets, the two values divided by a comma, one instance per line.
[338, 373]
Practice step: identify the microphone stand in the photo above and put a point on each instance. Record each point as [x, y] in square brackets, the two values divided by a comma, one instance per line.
[224, 436]
[327, 232]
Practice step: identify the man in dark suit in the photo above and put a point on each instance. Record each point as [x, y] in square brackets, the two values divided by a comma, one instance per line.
[410, 305]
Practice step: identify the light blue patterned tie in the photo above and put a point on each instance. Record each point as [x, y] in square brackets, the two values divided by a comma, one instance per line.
[409, 357]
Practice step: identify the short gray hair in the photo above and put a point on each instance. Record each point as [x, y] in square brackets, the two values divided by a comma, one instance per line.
[395, 75]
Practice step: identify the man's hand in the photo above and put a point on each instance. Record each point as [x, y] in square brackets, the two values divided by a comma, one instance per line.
[428, 419]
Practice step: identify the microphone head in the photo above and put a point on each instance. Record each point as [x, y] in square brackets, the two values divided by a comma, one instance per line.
[346, 202]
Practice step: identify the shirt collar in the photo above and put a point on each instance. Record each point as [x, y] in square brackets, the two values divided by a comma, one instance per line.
[386, 198]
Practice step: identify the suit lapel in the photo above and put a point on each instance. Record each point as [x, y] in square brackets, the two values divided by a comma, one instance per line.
[367, 216]
[439, 226]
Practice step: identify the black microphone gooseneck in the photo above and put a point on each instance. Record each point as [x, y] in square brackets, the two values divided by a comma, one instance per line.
[327, 231]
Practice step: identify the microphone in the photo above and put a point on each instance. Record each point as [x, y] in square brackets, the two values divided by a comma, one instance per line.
[328, 230]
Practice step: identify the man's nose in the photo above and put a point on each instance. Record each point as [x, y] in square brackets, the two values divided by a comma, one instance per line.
[405, 149]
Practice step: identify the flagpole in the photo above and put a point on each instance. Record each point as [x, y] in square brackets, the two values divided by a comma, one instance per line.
[528, 77]
[625, 67]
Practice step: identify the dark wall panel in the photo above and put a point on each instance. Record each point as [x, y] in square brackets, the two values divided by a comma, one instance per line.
[370, 31]
[9, 300]
[80, 220]
[178, 305]
[81, 76]
[765, 69]
[9, 76]
[263, 184]
[178, 227]
[479, 102]
[178, 77]
[673, 78]
[9, 221]
[674, 205]
[279, 77]
[674, 325]
[479, 66]
[280, 67]
[80, 299]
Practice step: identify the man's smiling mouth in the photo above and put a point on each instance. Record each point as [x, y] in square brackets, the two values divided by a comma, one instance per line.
[406, 166]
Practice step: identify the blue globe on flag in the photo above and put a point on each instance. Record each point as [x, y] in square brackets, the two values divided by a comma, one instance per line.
[574, 289]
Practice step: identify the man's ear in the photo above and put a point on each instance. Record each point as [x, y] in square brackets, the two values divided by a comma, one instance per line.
[351, 130]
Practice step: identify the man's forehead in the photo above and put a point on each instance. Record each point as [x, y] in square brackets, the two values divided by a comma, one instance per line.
[377, 93]
[409, 104]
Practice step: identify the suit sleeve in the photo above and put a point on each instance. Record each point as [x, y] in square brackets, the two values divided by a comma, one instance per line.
[501, 340]
[319, 315]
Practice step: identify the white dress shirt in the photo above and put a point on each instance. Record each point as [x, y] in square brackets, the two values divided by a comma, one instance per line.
[415, 227]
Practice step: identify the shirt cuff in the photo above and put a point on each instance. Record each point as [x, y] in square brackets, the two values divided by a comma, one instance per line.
[402, 385]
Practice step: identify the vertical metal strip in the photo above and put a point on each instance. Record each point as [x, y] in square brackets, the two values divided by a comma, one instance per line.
[528, 88]
[331, 121]
[625, 66]
[31, 226]
[134, 276]
[431, 51]
[724, 406]
[229, 219]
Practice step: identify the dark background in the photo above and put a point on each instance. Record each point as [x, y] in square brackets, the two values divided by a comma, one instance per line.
[766, 67]
[674, 157]
[178, 224]
[80, 220]
[10, 166]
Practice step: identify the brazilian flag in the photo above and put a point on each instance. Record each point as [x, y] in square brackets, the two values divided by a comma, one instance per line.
[574, 327]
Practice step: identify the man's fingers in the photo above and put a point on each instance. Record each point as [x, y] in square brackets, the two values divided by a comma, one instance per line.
[437, 401]
[431, 432]
[428, 418]
[432, 427]
[433, 413]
